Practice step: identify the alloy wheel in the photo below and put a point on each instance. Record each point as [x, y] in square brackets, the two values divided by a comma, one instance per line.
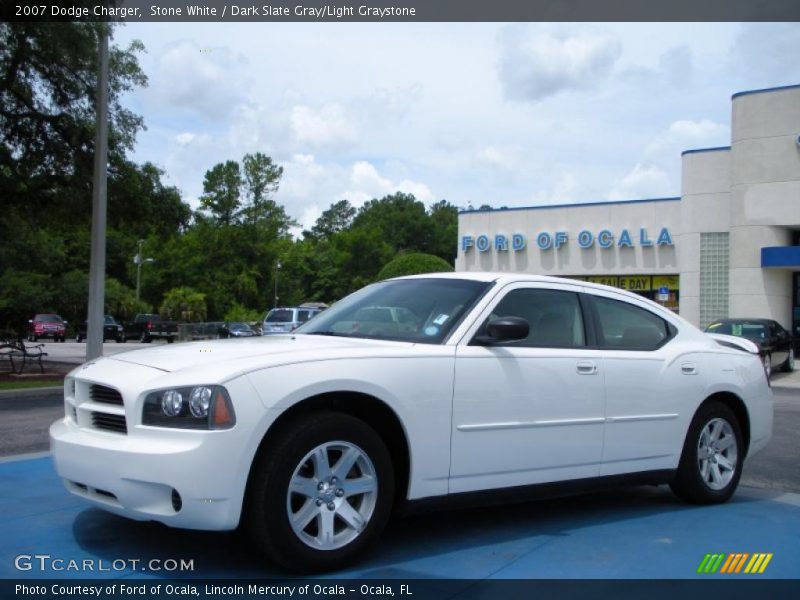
[717, 454]
[332, 495]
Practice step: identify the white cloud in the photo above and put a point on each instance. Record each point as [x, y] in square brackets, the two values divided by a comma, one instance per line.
[497, 158]
[535, 65]
[767, 54]
[210, 82]
[643, 181]
[366, 183]
[325, 126]
[686, 134]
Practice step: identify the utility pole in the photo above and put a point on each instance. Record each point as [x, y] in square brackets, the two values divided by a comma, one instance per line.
[277, 269]
[97, 262]
[138, 260]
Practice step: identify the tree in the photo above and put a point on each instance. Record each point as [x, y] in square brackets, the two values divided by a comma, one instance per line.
[335, 219]
[221, 191]
[401, 219]
[184, 304]
[48, 74]
[261, 180]
[414, 264]
[443, 217]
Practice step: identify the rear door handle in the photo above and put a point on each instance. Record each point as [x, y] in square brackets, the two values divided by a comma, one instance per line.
[688, 369]
[586, 367]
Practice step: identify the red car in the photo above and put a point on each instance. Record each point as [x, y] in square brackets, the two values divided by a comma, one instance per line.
[45, 326]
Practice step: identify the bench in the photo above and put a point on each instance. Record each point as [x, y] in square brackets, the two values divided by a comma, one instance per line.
[18, 353]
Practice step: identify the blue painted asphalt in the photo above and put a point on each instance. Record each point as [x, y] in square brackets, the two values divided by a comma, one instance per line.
[641, 532]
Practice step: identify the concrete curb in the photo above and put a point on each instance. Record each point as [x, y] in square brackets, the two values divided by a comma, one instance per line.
[51, 391]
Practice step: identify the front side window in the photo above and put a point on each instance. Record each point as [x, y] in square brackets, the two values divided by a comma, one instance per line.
[624, 326]
[554, 317]
[413, 310]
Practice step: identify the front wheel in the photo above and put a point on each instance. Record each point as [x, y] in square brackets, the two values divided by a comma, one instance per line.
[713, 453]
[788, 366]
[321, 493]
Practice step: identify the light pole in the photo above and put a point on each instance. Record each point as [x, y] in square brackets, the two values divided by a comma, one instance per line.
[138, 260]
[277, 269]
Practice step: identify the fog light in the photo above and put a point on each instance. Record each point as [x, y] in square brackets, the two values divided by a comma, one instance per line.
[200, 401]
[172, 403]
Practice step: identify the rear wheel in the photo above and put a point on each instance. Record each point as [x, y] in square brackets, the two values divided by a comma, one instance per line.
[713, 453]
[144, 338]
[321, 494]
[788, 366]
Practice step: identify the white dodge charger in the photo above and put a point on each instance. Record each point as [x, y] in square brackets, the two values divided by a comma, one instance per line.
[408, 393]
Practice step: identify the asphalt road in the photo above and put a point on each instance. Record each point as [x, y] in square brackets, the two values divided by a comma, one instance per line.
[24, 423]
[73, 352]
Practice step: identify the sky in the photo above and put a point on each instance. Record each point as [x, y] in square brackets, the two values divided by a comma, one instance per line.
[516, 114]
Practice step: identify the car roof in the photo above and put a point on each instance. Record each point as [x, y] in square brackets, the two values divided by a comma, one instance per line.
[506, 278]
[759, 320]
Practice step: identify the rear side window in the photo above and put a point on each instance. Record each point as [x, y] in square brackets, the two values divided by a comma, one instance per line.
[623, 326]
[554, 317]
[280, 316]
[303, 315]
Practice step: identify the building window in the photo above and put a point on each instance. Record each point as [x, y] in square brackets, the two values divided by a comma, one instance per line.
[714, 252]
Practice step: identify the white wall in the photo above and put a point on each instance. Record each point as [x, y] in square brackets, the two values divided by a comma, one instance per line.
[765, 199]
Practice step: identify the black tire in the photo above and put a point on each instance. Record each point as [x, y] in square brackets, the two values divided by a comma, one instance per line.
[689, 483]
[267, 505]
[788, 365]
[170, 340]
[144, 338]
[34, 338]
[78, 338]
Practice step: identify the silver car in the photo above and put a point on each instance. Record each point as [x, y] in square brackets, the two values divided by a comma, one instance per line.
[287, 319]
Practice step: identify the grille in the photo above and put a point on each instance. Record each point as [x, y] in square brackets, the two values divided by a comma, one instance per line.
[105, 395]
[115, 423]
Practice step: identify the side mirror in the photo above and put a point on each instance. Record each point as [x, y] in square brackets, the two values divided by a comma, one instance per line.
[503, 331]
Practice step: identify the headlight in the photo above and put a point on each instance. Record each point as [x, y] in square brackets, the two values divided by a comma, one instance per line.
[196, 407]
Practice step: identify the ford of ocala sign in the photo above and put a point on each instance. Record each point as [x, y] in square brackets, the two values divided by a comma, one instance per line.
[546, 240]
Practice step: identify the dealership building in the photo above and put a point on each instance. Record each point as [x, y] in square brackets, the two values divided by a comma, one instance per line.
[729, 246]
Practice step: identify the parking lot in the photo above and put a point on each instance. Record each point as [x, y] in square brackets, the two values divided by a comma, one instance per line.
[639, 532]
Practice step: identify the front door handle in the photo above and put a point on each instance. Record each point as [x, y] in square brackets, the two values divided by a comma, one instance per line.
[586, 367]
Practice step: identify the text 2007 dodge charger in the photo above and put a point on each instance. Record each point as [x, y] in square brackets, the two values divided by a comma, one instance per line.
[416, 389]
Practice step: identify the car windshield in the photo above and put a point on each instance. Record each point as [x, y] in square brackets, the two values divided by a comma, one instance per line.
[280, 315]
[48, 318]
[110, 320]
[412, 310]
[239, 326]
[751, 331]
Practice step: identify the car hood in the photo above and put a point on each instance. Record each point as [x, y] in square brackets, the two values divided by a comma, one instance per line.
[269, 350]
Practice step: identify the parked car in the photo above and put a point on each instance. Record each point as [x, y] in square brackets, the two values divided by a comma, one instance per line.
[508, 386]
[775, 344]
[112, 330]
[236, 329]
[146, 327]
[47, 325]
[287, 319]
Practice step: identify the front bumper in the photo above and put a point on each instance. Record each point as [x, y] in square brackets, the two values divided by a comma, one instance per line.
[183, 478]
[135, 478]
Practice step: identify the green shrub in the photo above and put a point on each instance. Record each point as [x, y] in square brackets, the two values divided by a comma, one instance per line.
[414, 264]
